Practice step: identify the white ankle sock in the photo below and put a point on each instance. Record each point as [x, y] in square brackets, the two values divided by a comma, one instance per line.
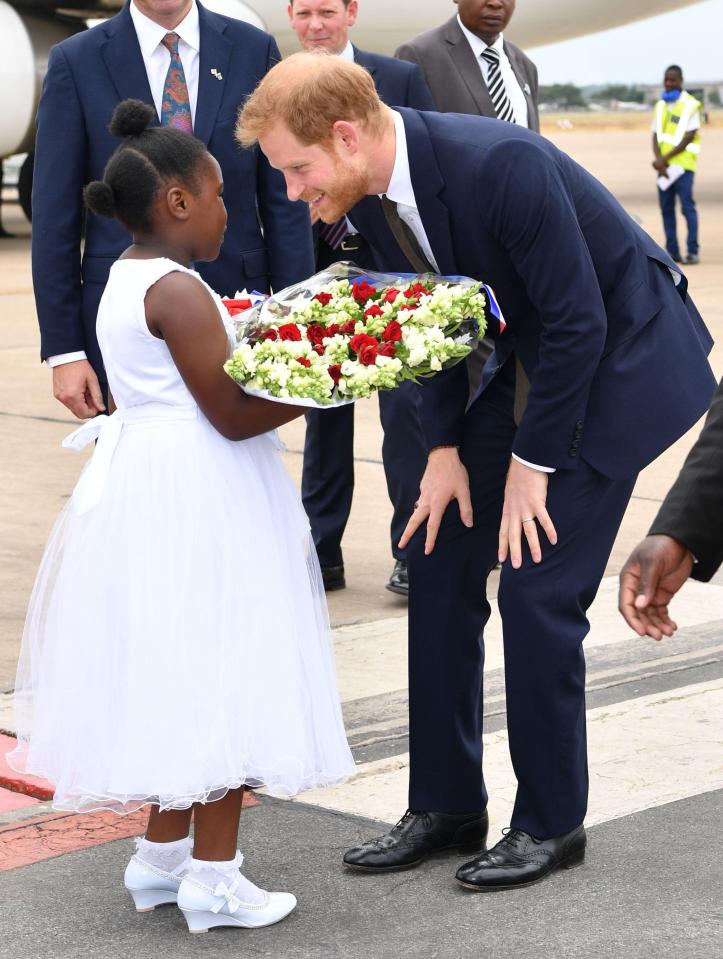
[164, 855]
[212, 873]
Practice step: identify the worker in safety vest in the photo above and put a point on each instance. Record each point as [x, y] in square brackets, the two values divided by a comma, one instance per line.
[676, 145]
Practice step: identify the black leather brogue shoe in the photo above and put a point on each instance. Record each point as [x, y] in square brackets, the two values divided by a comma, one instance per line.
[519, 859]
[399, 580]
[333, 577]
[417, 836]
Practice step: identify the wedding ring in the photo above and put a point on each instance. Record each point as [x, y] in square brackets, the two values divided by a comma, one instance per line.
[530, 519]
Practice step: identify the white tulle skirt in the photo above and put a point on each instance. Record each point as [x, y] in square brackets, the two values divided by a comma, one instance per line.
[177, 642]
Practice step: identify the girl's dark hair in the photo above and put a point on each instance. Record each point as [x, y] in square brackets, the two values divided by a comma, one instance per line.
[139, 167]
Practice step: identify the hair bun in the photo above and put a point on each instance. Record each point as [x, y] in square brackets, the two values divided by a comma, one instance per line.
[100, 199]
[130, 118]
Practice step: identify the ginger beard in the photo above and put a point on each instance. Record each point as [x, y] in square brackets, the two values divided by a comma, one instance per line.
[347, 185]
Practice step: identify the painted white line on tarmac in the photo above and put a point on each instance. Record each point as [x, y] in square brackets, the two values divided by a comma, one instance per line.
[371, 658]
[643, 752]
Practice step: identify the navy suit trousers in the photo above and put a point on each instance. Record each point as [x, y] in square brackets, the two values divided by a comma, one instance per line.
[544, 611]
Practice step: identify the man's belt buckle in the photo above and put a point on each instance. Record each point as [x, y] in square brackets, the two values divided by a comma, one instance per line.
[352, 241]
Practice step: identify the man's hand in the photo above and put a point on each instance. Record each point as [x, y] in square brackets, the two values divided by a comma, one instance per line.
[445, 479]
[77, 387]
[661, 166]
[653, 574]
[524, 508]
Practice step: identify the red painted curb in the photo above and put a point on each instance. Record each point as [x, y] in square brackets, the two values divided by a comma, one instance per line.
[16, 782]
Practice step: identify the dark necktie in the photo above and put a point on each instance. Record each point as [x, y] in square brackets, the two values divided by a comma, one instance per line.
[333, 233]
[496, 86]
[176, 106]
[410, 247]
[406, 240]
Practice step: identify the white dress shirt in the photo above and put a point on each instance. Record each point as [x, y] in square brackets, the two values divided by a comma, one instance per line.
[400, 190]
[512, 86]
[156, 59]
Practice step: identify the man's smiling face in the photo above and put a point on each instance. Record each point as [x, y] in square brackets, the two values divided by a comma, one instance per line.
[328, 177]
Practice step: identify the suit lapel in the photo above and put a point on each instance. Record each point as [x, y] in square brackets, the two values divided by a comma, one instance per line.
[466, 65]
[363, 60]
[428, 183]
[523, 82]
[216, 56]
[122, 56]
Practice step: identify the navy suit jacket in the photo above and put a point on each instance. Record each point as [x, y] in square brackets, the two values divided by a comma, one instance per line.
[88, 75]
[398, 83]
[615, 353]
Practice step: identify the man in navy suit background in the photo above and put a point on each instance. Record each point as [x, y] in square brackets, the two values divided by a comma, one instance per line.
[88, 75]
[602, 366]
[328, 478]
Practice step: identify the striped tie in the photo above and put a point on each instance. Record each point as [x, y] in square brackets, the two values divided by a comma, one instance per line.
[334, 233]
[176, 107]
[496, 86]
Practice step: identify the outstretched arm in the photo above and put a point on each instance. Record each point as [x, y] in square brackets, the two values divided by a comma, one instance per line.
[181, 311]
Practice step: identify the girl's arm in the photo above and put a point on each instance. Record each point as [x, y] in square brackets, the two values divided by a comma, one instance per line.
[181, 311]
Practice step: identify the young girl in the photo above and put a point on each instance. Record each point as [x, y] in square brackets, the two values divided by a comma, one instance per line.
[176, 646]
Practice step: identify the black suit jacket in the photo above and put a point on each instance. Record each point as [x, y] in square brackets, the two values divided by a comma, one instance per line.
[692, 512]
[454, 77]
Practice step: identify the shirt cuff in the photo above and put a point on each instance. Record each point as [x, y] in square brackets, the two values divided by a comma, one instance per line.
[534, 466]
[63, 358]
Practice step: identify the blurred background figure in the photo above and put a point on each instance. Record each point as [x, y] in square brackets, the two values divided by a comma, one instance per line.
[327, 485]
[195, 67]
[686, 538]
[676, 146]
[471, 68]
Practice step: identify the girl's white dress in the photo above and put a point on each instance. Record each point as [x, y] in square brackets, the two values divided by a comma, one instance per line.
[177, 641]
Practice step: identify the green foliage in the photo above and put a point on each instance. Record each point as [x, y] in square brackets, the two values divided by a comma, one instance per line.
[564, 95]
[618, 91]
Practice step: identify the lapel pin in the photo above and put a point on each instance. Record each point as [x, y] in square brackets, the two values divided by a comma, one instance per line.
[526, 88]
[216, 73]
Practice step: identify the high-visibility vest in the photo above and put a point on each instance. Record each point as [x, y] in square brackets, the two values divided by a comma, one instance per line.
[672, 121]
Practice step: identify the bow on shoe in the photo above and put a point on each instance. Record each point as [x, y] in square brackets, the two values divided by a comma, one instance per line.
[229, 898]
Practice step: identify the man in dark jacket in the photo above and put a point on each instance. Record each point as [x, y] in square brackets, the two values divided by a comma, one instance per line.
[132, 55]
[686, 538]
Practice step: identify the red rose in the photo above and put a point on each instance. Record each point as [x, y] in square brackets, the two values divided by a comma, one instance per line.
[348, 327]
[315, 333]
[417, 289]
[408, 306]
[392, 333]
[362, 291]
[334, 372]
[358, 342]
[388, 349]
[303, 360]
[368, 354]
[390, 296]
[323, 298]
[269, 335]
[289, 331]
[373, 310]
[319, 348]
[332, 329]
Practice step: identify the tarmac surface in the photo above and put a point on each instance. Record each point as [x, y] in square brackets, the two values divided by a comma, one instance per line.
[652, 881]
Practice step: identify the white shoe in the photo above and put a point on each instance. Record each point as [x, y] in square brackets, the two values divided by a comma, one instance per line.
[205, 907]
[150, 886]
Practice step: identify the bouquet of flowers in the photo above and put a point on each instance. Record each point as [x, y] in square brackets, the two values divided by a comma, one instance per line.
[343, 334]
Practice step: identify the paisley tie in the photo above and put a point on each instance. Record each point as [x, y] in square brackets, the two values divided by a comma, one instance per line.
[176, 107]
